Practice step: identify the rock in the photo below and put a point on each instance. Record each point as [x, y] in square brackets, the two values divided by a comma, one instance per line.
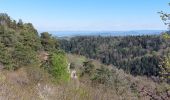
[73, 74]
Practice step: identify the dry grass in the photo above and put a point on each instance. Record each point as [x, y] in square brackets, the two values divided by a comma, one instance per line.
[125, 87]
[34, 83]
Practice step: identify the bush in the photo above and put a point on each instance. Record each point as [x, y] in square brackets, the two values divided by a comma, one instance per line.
[58, 66]
[72, 65]
[102, 76]
[88, 68]
[48, 42]
[5, 57]
[24, 56]
[19, 43]
[165, 69]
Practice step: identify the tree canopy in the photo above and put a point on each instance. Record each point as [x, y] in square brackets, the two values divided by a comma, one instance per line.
[20, 45]
[138, 55]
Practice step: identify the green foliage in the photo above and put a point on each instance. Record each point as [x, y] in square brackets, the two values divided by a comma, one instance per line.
[58, 66]
[72, 65]
[165, 69]
[49, 43]
[29, 37]
[165, 66]
[165, 18]
[134, 54]
[8, 38]
[5, 57]
[24, 56]
[166, 36]
[102, 75]
[88, 68]
[141, 66]
[19, 43]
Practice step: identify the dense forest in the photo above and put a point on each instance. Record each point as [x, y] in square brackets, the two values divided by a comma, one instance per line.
[138, 55]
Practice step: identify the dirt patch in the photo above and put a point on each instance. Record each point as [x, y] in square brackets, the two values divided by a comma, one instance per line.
[43, 56]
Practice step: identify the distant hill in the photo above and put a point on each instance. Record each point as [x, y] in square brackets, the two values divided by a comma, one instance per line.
[105, 33]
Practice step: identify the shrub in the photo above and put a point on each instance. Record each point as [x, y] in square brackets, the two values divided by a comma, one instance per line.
[58, 66]
[24, 56]
[102, 75]
[72, 65]
[88, 68]
[5, 57]
[165, 69]
[48, 42]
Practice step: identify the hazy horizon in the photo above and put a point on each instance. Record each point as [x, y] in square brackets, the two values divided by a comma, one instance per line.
[104, 33]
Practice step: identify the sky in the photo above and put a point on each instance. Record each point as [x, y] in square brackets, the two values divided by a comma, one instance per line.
[88, 15]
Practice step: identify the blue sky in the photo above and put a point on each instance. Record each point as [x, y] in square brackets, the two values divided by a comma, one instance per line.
[88, 15]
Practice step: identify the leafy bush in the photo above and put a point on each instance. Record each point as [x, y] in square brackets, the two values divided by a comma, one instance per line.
[48, 42]
[102, 75]
[88, 68]
[5, 57]
[165, 69]
[19, 43]
[72, 65]
[58, 66]
[24, 56]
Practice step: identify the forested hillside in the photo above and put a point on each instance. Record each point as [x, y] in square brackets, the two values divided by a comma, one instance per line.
[21, 47]
[33, 67]
[138, 55]
[19, 43]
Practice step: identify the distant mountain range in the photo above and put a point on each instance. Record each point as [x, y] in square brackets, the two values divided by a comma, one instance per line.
[105, 33]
